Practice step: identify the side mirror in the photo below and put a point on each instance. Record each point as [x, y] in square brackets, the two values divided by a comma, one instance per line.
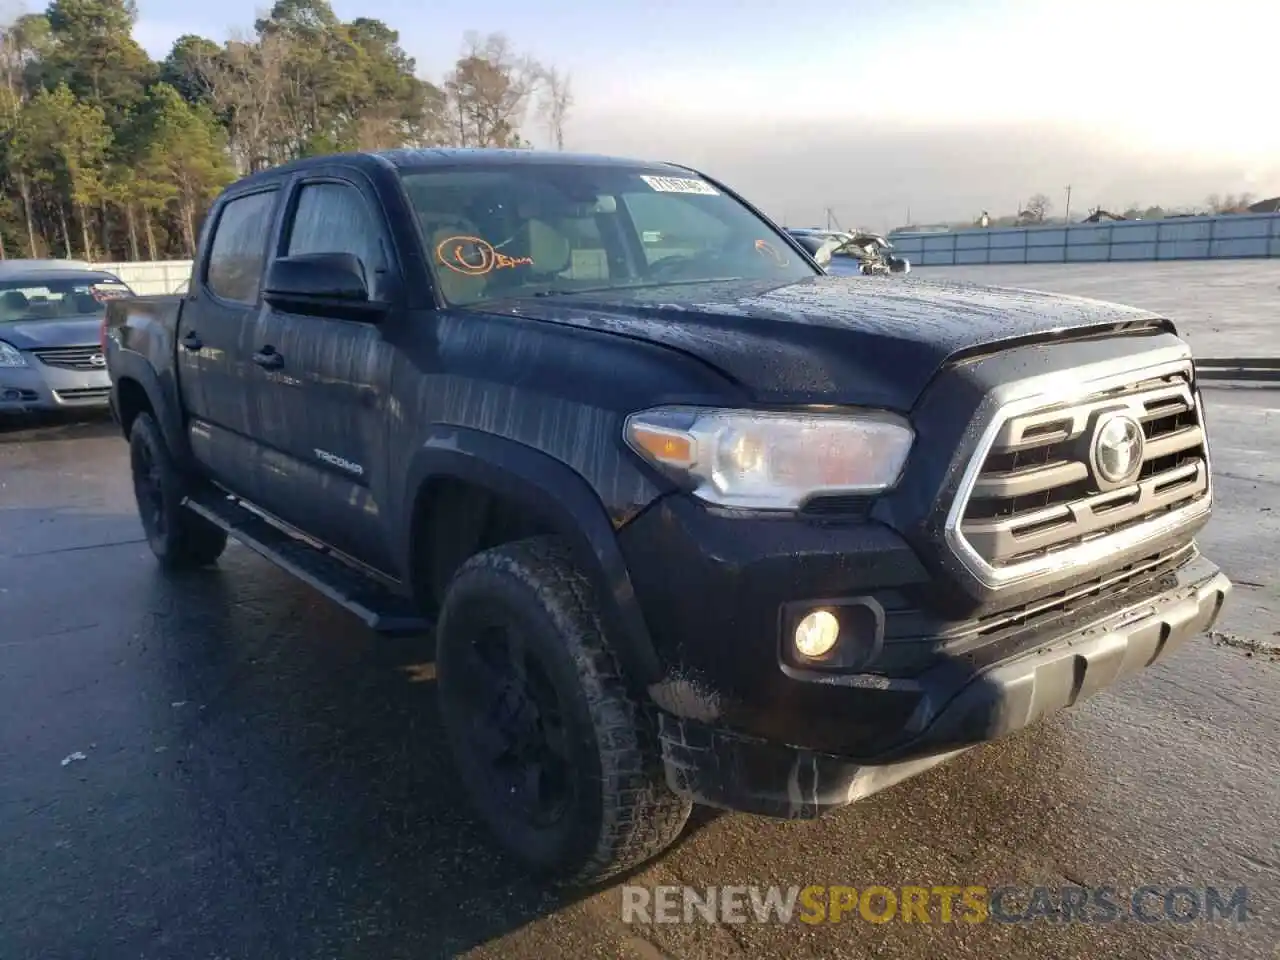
[325, 284]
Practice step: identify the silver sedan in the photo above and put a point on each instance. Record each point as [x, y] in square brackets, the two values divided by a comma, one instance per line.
[50, 326]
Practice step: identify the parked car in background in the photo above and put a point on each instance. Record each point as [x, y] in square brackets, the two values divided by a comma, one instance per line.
[846, 254]
[822, 245]
[872, 252]
[815, 232]
[865, 254]
[51, 312]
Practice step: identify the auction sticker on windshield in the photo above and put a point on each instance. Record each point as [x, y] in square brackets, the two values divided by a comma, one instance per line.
[681, 185]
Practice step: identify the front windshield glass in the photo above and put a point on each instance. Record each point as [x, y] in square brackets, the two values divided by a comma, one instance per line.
[535, 229]
[57, 298]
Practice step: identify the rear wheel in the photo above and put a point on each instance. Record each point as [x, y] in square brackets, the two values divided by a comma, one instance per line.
[179, 538]
[559, 760]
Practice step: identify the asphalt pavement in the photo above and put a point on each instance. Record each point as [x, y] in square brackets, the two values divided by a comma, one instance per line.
[226, 765]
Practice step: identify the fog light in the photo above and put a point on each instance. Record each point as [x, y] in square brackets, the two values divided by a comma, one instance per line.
[817, 634]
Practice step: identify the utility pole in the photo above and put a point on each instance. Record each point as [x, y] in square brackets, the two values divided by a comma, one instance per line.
[1067, 216]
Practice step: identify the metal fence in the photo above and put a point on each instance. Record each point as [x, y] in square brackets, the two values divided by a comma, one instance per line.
[1177, 238]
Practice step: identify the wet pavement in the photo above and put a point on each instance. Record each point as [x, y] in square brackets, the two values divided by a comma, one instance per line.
[226, 765]
[1225, 308]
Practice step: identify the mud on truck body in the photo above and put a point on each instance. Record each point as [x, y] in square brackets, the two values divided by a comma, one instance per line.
[693, 522]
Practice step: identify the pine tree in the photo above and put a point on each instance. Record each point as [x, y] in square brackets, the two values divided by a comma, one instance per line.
[185, 160]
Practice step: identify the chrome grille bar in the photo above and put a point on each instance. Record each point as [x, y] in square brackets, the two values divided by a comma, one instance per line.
[1032, 500]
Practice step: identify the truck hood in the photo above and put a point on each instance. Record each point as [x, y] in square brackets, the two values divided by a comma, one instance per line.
[868, 341]
[38, 334]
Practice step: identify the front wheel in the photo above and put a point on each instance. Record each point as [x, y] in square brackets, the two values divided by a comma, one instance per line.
[558, 759]
[179, 538]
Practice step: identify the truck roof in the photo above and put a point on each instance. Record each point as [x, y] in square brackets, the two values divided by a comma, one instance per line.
[422, 158]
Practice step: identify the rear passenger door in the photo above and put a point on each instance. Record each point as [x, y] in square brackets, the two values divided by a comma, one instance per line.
[322, 416]
[215, 336]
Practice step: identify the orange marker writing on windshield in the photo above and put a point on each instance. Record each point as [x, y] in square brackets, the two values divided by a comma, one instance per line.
[453, 253]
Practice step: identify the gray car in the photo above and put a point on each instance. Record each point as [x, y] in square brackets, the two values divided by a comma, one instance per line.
[50, 317]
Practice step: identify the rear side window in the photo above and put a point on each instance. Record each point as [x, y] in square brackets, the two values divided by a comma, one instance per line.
[335, 218]
[239, 247]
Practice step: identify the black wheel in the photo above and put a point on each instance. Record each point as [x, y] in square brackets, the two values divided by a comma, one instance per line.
[179, 538]
[560, 761]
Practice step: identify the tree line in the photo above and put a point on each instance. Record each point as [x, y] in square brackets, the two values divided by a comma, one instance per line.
[106, 154]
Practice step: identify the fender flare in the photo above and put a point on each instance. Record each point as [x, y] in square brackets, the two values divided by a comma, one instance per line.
[563, 501]
[129, 365]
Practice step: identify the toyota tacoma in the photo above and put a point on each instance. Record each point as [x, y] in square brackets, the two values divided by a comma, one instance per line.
[691, 520]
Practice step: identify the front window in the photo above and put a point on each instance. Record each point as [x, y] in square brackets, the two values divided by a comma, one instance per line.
[58, 298]
[527, 229]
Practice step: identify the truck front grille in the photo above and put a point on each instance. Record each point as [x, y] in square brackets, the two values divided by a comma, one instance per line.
[1040, 491]
[72, 358]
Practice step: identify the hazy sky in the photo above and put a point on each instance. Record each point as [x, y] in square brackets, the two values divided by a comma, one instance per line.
[874, 108]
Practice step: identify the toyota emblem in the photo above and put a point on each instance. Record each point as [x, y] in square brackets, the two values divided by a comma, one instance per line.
[98, 360]
[1118, 447]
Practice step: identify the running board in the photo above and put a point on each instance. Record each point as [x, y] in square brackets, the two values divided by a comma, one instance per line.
[373, 602]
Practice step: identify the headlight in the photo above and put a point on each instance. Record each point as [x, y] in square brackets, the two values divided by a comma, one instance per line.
[772, 461]
[10, 357]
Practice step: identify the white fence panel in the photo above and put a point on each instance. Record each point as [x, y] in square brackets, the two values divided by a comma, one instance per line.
[151, 276]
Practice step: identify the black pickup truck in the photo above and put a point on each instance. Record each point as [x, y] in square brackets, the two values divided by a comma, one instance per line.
[692, 520]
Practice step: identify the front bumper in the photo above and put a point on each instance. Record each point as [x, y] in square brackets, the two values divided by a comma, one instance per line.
[736, 771]
[717, 593]
[40, 387]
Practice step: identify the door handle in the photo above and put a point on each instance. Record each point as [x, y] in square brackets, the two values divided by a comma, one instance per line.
[192, 341]
[268, 359]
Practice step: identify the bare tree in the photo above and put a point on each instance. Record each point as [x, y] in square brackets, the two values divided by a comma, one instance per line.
[555, 102]
[246, 82]
[489, 91]
[1231, 203]
[1037, 208]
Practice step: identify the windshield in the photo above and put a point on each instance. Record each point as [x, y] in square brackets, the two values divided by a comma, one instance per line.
[56, 298]
[530, 229]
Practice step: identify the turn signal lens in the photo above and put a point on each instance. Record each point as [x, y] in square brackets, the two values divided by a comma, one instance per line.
[665, 446]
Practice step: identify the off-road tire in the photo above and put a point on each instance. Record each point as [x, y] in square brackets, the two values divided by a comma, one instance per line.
[180, 538]
[623, 812]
